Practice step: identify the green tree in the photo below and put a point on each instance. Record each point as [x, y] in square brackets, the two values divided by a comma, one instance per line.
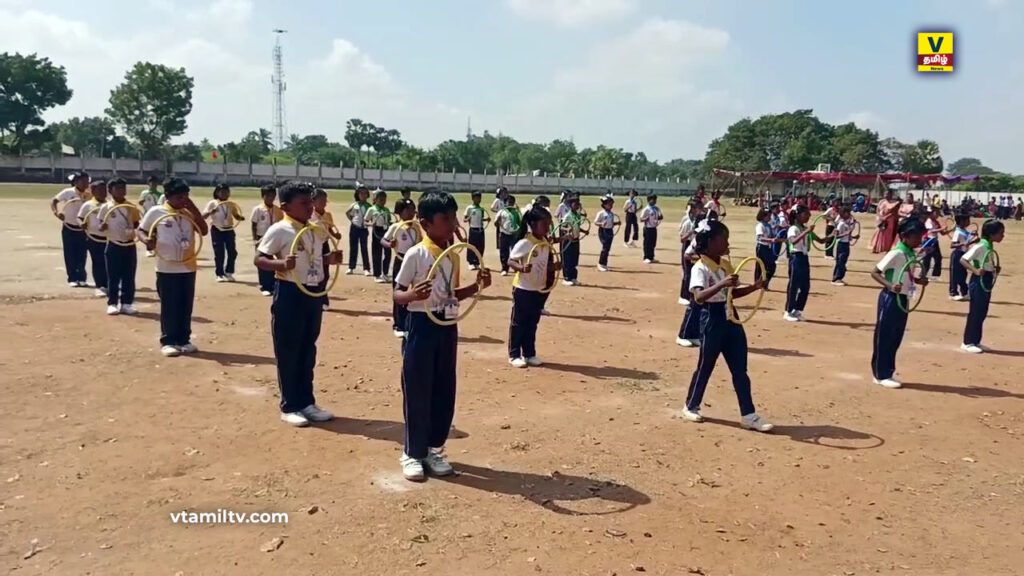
[966, 166]
[88, 136]
[853, 149]
[562, 156]
[152, 105]
[29, 86]
[922, 158]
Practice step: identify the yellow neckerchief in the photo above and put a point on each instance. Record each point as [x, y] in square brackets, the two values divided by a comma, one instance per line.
[715, 267]
[435, 251]
[192, 262]
[534, 241]
[133, 212]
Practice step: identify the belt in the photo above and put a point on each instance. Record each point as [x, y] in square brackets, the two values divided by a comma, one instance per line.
[476, 227]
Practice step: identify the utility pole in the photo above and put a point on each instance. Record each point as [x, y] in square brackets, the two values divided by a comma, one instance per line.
[279, 87]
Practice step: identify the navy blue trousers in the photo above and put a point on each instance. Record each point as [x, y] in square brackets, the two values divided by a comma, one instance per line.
[399, 314]
[684, 288]
[505, 244]
[932, 261]
[890, 324]
[842, 257]
[357, 241]
[477, 239]
[75, 251]
[224, 251]
[267, 280]
[632, 227]
[830, 247]
[428, 383]
[957, 274]
[650, 242]
[177, 294]
[570, 259]
[522, 329]
[690, 328]
[295, 320]
[799, 282]
[380, 255]
[979, 308]
[122, 262]
[98, 256]
[720, 337]
[764, 252]
[605, 236]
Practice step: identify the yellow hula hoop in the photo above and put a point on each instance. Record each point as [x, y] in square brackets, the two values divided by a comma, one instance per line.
[85, 226]
[195, 232]
[131, 208]
[234, 209]
[314, 228]
[730, 309]
[404, 225]
[63, 208]
[447, 253]
[555, 257]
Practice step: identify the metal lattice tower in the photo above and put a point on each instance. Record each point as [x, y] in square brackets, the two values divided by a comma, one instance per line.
[279, 87]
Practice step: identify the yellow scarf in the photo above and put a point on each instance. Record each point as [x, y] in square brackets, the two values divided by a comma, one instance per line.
[715, 267]
[535, 242]
[435, 251]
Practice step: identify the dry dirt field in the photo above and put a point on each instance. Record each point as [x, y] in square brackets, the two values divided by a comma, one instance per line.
[579, 467]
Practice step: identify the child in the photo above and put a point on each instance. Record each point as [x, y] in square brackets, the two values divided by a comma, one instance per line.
[430, 352]
[764, 241]
[500, 197]
[715, 204]
[407, 193]
[563, 204]
[651, 217]
[263, 216]
[530, 279]
[400, 237]
[508, 225]
[689, 329]
[632, 225]
[477, 220]
[982, 267]
[120, 254]
[781, 223]
[892, 300]
[89, 216]
[72, 237]
[933, 254]
[961, 240]
[569, 236]
[710, 279]
[605, 222]
[176, 276]
[321, 217]
[378, 218]
[357, 233]
[149, 198]
[687, 231]
[222, 216]
[799, 266]
[831, 216]
[295, 318]
[844, 232]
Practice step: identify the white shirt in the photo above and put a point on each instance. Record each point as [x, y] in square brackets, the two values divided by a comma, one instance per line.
[357, 212]
[605, 219]
[763, 234]
[402, 237]
[72, 201]
[263, 217]
[651, 216]
[377, 217]
[89, 216]
[175, 240]
[715, 206]
[630, 206]
[831, 215]
[686, 228]
[309, 254]
[221, 213]
[961, 236]
[120, 224]
[562, 210]
[976, 253]
[702, 278]
[890, 266]
[498, 205]
[570, 225]
[507, 222]
[474, 215]
[415, 267]
[148, 199]
[781, 221]
[800, 246]
[933, 228]
[536, 279]
[843, 230]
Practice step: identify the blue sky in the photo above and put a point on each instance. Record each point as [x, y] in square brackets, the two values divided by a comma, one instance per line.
[660, 76]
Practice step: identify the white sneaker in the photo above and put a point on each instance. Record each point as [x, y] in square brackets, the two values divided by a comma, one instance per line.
[266, 293]
[627, 244]
[380, 280]
[113, 310]
[229, 277]
[504, 272]
[314, 413]
[398, 333]
[684, 301]
[577, 283]
[789, 317]
[129, 309]
[544, 312]
[437, 464]
[100, 293]
[189, 348]
[170, 351]
[222, 279]
[150, 253]
[756, 423]
[295, 419]
[72, 284]
[412, 469]
[367, 273]
[473, 267]
[839, 283]
[349, 272]
[960, 298]
[82, 284]
[971, 349]
[534, 361]
[602, 268]
[685, 342]
[518, 362]
[654, 261]
[691, 415]
[799, 314]
[888, 383]
[325, 307]
[567, 283]
[647, 261]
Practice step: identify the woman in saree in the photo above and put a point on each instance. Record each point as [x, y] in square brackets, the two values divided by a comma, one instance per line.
[886, 219]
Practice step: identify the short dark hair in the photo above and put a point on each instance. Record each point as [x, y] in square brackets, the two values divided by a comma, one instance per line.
[116, 182]
[379, 193]
[293, 190]
[990, 228]
[434, 203]
[694, 203]
[910, 227]
[268, 189]
[319, 192]
[715, 229]
[535, 214]
[652, 197]
[153, 179]
[219, 187]
[97, 184]
[475, 194]
[175, 186]
[510, 200]
[78, 174]
[542, 200]
[762, 213]
[404, 203]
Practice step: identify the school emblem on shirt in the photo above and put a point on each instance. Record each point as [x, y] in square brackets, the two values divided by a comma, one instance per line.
[934, 51]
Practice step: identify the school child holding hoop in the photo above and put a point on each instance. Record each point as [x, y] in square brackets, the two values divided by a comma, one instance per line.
[983, 266]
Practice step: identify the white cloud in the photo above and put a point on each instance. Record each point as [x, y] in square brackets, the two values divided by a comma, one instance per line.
[572, 13]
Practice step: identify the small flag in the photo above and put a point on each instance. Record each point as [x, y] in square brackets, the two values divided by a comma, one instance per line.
[65, 149]
[214, 154]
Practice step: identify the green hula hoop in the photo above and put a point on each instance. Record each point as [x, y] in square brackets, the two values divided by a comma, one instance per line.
[814, 237]
[994, 257]
[903, 302]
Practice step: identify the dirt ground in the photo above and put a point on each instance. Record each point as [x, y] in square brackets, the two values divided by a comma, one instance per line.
[579, 467]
